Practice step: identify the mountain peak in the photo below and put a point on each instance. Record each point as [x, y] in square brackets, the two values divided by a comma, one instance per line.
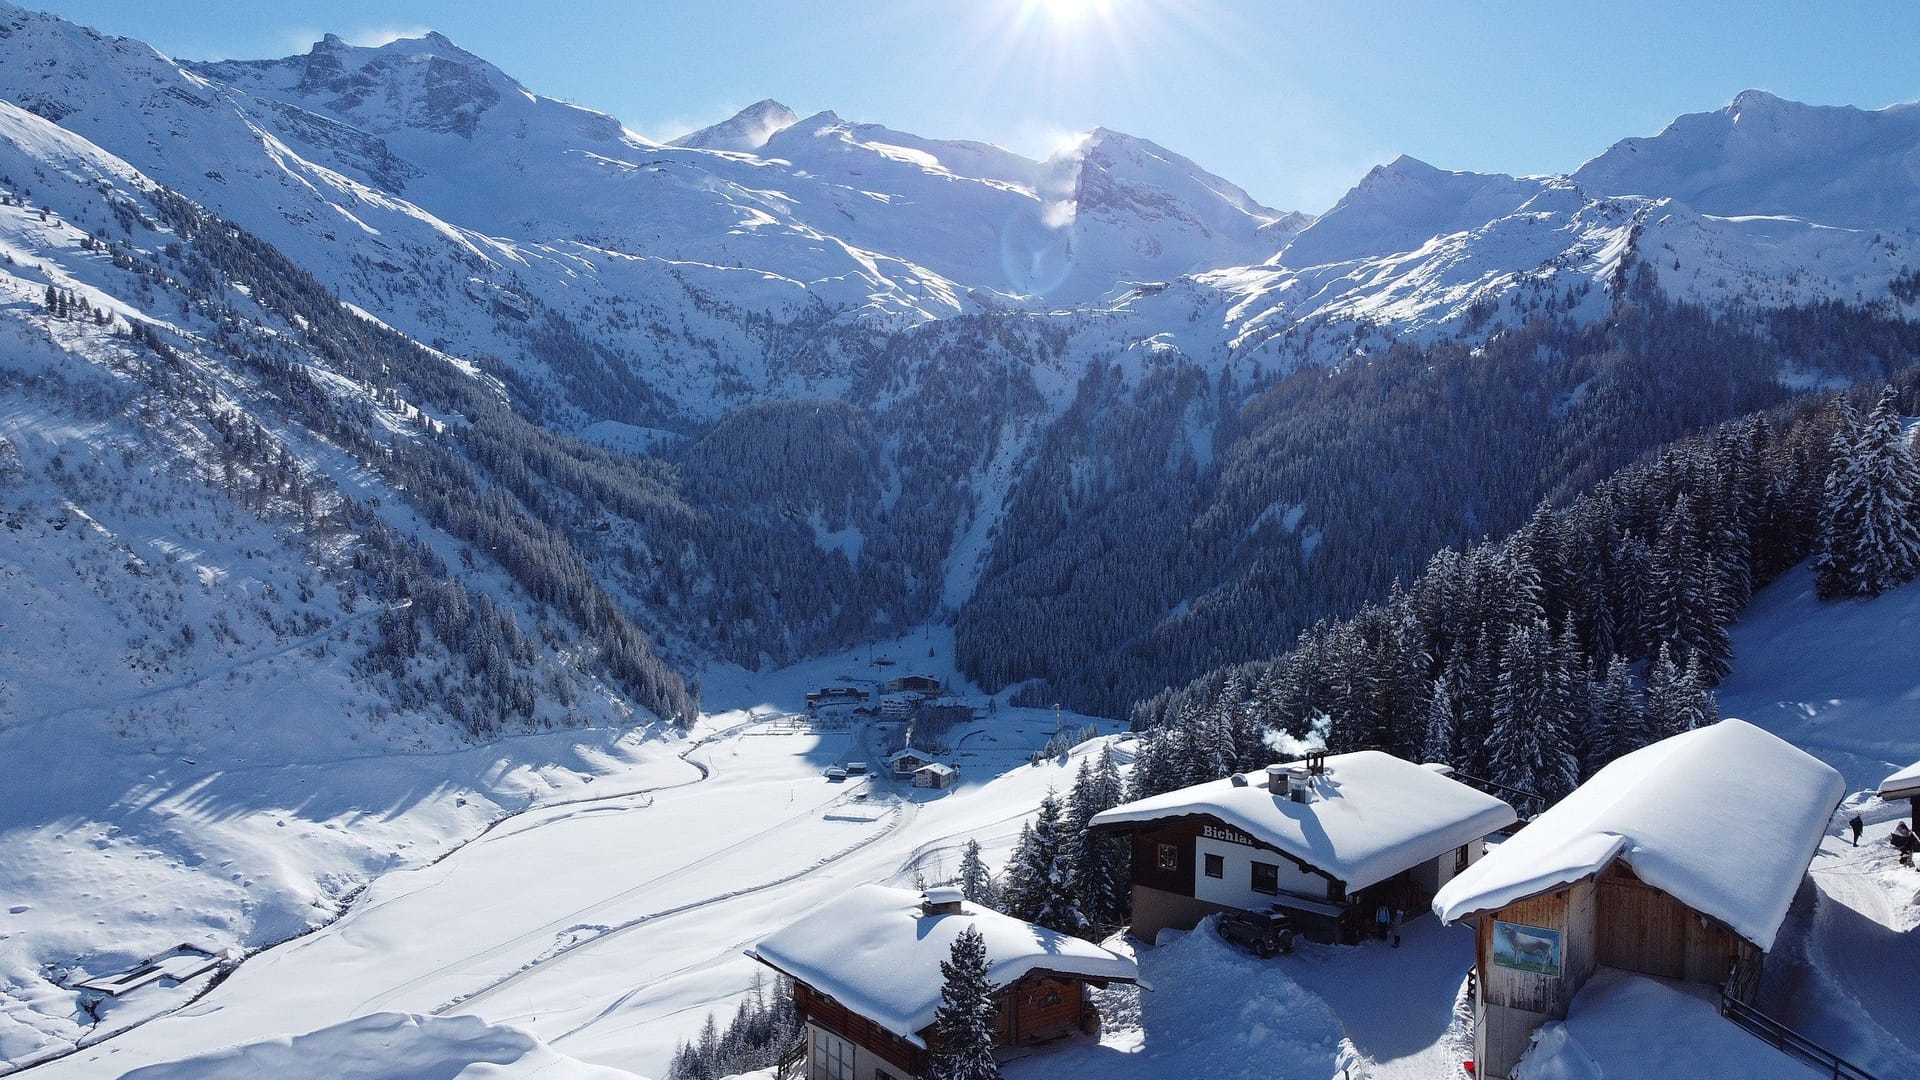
[745, 131]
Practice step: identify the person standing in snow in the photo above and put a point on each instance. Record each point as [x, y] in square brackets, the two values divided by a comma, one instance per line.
[1382, 921]
[1399, 916]
[1856, 825]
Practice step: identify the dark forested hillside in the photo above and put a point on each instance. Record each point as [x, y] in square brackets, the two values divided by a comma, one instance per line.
[1180, 523]
[1590, 631]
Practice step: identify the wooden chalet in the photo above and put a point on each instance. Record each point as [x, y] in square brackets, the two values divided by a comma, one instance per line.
[1327, 840]
[1678, 860]
[914, 684]
[937, 775]
[866, 976]
[905, 762]
[1904, 784]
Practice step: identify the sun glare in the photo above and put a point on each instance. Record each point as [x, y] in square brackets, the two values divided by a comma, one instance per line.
[1071, 13]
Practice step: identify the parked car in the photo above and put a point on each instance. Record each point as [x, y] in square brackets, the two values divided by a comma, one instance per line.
[835, 774]
[1262, 932]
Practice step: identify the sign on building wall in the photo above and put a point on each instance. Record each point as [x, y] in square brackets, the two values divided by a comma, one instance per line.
[1521, 947]
[1227, 835]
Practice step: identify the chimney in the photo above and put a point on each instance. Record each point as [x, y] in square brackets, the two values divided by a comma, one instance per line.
[1300, 784]
[1277, 779]
[942, 900]
[1316, 762]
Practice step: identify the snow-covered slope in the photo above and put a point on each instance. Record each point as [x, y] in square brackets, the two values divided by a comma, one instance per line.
[1762, 155]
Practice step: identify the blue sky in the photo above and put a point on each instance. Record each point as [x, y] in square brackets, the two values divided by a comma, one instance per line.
[1293, 101]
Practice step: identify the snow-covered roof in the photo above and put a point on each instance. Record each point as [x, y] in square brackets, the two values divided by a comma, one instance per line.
[1904, 784]
[909, 754]
[875, 952]
[1723, 818]
[1371, 815]
[936, 767]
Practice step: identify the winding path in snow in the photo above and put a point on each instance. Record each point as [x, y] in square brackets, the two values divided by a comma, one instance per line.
[363, 903]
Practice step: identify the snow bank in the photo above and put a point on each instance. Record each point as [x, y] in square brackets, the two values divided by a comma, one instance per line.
[877, 954]
[1371, 816]
[1214, 1011]
[1630, 1026]
[1725, 818]
[389, 1046]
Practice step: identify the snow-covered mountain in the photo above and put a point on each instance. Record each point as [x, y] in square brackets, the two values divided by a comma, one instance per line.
[323, 442]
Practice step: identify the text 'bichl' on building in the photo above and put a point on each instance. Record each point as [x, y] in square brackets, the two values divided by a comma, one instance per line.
[1327, 840]
[1677, 860]
[866, 978]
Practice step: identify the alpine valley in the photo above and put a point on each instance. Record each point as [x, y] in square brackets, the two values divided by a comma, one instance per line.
[389, 452]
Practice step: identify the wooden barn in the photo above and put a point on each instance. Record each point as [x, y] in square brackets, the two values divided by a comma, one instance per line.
[1678, 860]
[1904, 784]
[866, 978]
[1327, 840]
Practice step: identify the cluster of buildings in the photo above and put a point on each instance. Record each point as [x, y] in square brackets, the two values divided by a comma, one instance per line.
[1678, 860]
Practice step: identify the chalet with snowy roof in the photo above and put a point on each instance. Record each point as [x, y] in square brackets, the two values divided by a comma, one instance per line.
[829, 696]
[866, 975]
[1904, 784]
[1327, 840]
[904, 763]
[936, 775]
[914, 684]
[1677, 860]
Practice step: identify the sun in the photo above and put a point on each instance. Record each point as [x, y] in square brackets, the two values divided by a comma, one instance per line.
[1070, 13]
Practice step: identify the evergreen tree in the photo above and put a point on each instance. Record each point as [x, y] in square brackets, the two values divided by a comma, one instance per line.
[962, 1044]
[1039, 884]
[975, 884]
[1098, 863]
[1437, 741]
[1836, 554]
[1529, 746]
[1619, 717]
[1689, 613]
[1887, 484]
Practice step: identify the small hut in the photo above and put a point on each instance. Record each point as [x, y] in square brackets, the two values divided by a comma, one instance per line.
[1678, 860]
[866, 978]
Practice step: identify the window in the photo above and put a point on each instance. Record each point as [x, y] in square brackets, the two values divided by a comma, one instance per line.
[829, 1057]
[1266, 877]
[1216, 866]
[1462, 856]
[1169, 857]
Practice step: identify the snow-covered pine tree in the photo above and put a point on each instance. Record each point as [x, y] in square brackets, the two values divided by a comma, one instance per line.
[1018, 888]
[975, 884]
[962, 1045]
[1887, 485]
[1835, 559]
[1045, 891]
[1619, 717]
[1696, 705]
[1437, 741]
[1669, 708]
[1529, 745]
[1097, 863]
[1688, 610]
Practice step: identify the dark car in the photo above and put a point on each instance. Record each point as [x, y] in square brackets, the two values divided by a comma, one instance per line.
[1263, 932]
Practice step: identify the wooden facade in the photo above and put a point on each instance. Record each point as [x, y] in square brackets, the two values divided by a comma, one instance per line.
[1612, 919]
[1039, 1007]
